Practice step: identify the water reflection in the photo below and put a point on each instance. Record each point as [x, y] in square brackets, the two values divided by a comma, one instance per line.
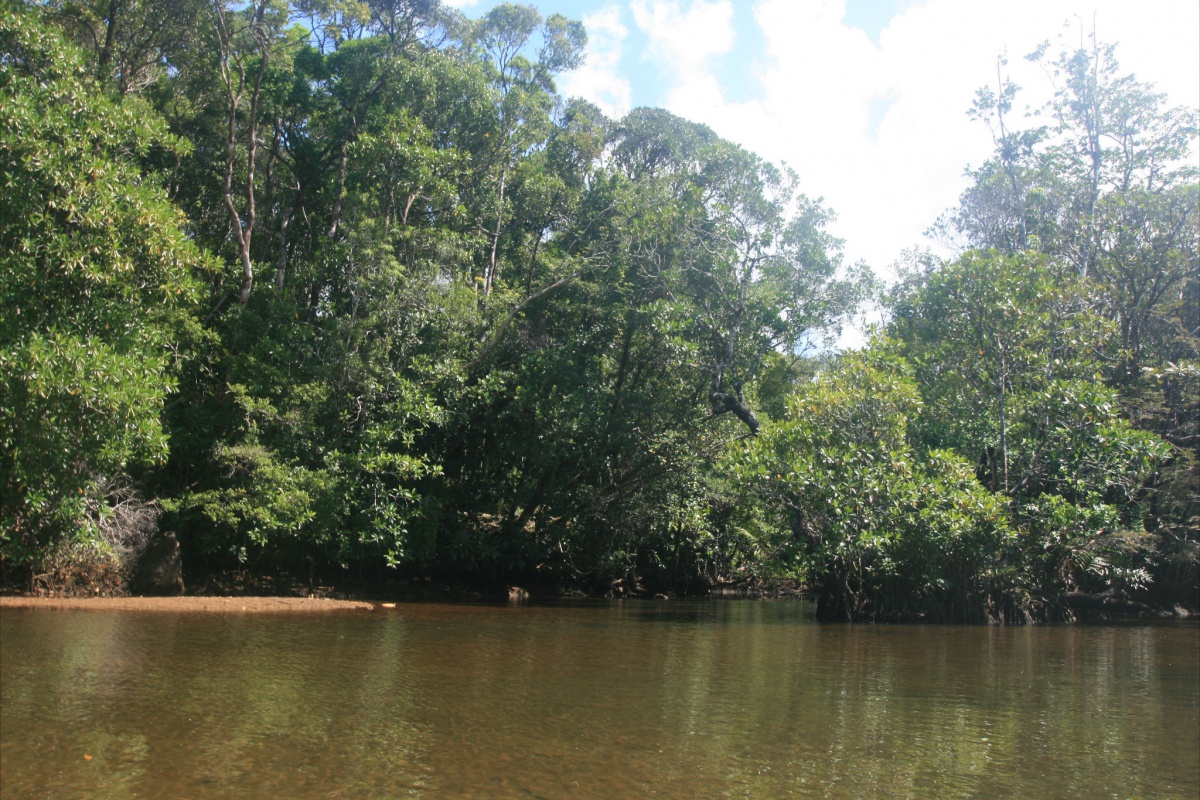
[725, 699]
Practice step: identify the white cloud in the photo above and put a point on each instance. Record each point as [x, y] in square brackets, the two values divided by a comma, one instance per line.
[460, 4]
[682, 41]
[881, 130]
[598, 79]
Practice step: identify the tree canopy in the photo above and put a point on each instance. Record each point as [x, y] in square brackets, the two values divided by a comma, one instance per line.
[350, 289]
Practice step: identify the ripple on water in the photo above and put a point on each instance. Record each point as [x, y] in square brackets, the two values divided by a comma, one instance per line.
[730, 699]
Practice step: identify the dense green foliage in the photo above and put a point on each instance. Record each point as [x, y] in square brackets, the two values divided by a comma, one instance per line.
[347, 287]
[877, 524]
[96, 281]
[1107, 195]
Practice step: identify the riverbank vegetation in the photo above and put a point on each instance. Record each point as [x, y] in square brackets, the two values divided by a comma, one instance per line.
[347, 289]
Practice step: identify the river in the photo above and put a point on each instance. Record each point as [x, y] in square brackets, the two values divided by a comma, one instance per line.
[590, 700]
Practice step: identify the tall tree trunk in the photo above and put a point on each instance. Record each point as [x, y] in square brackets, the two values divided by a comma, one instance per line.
[1008, 158]
[110, 38]
[1003, 420]
[340, 190]
[231, 62]
[281, 257]
[492, 269]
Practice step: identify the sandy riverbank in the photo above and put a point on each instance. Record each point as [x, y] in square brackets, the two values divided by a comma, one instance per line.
[225, 605]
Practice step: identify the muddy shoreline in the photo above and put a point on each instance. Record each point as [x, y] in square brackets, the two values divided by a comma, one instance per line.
[210, 605]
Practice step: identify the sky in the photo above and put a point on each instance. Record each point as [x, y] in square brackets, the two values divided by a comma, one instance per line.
[865, 99]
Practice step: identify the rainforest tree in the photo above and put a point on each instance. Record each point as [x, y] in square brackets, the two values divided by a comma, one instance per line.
[97, 279]
[1106, 187]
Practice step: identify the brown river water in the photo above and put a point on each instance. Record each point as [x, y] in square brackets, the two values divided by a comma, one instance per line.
[595, 700]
